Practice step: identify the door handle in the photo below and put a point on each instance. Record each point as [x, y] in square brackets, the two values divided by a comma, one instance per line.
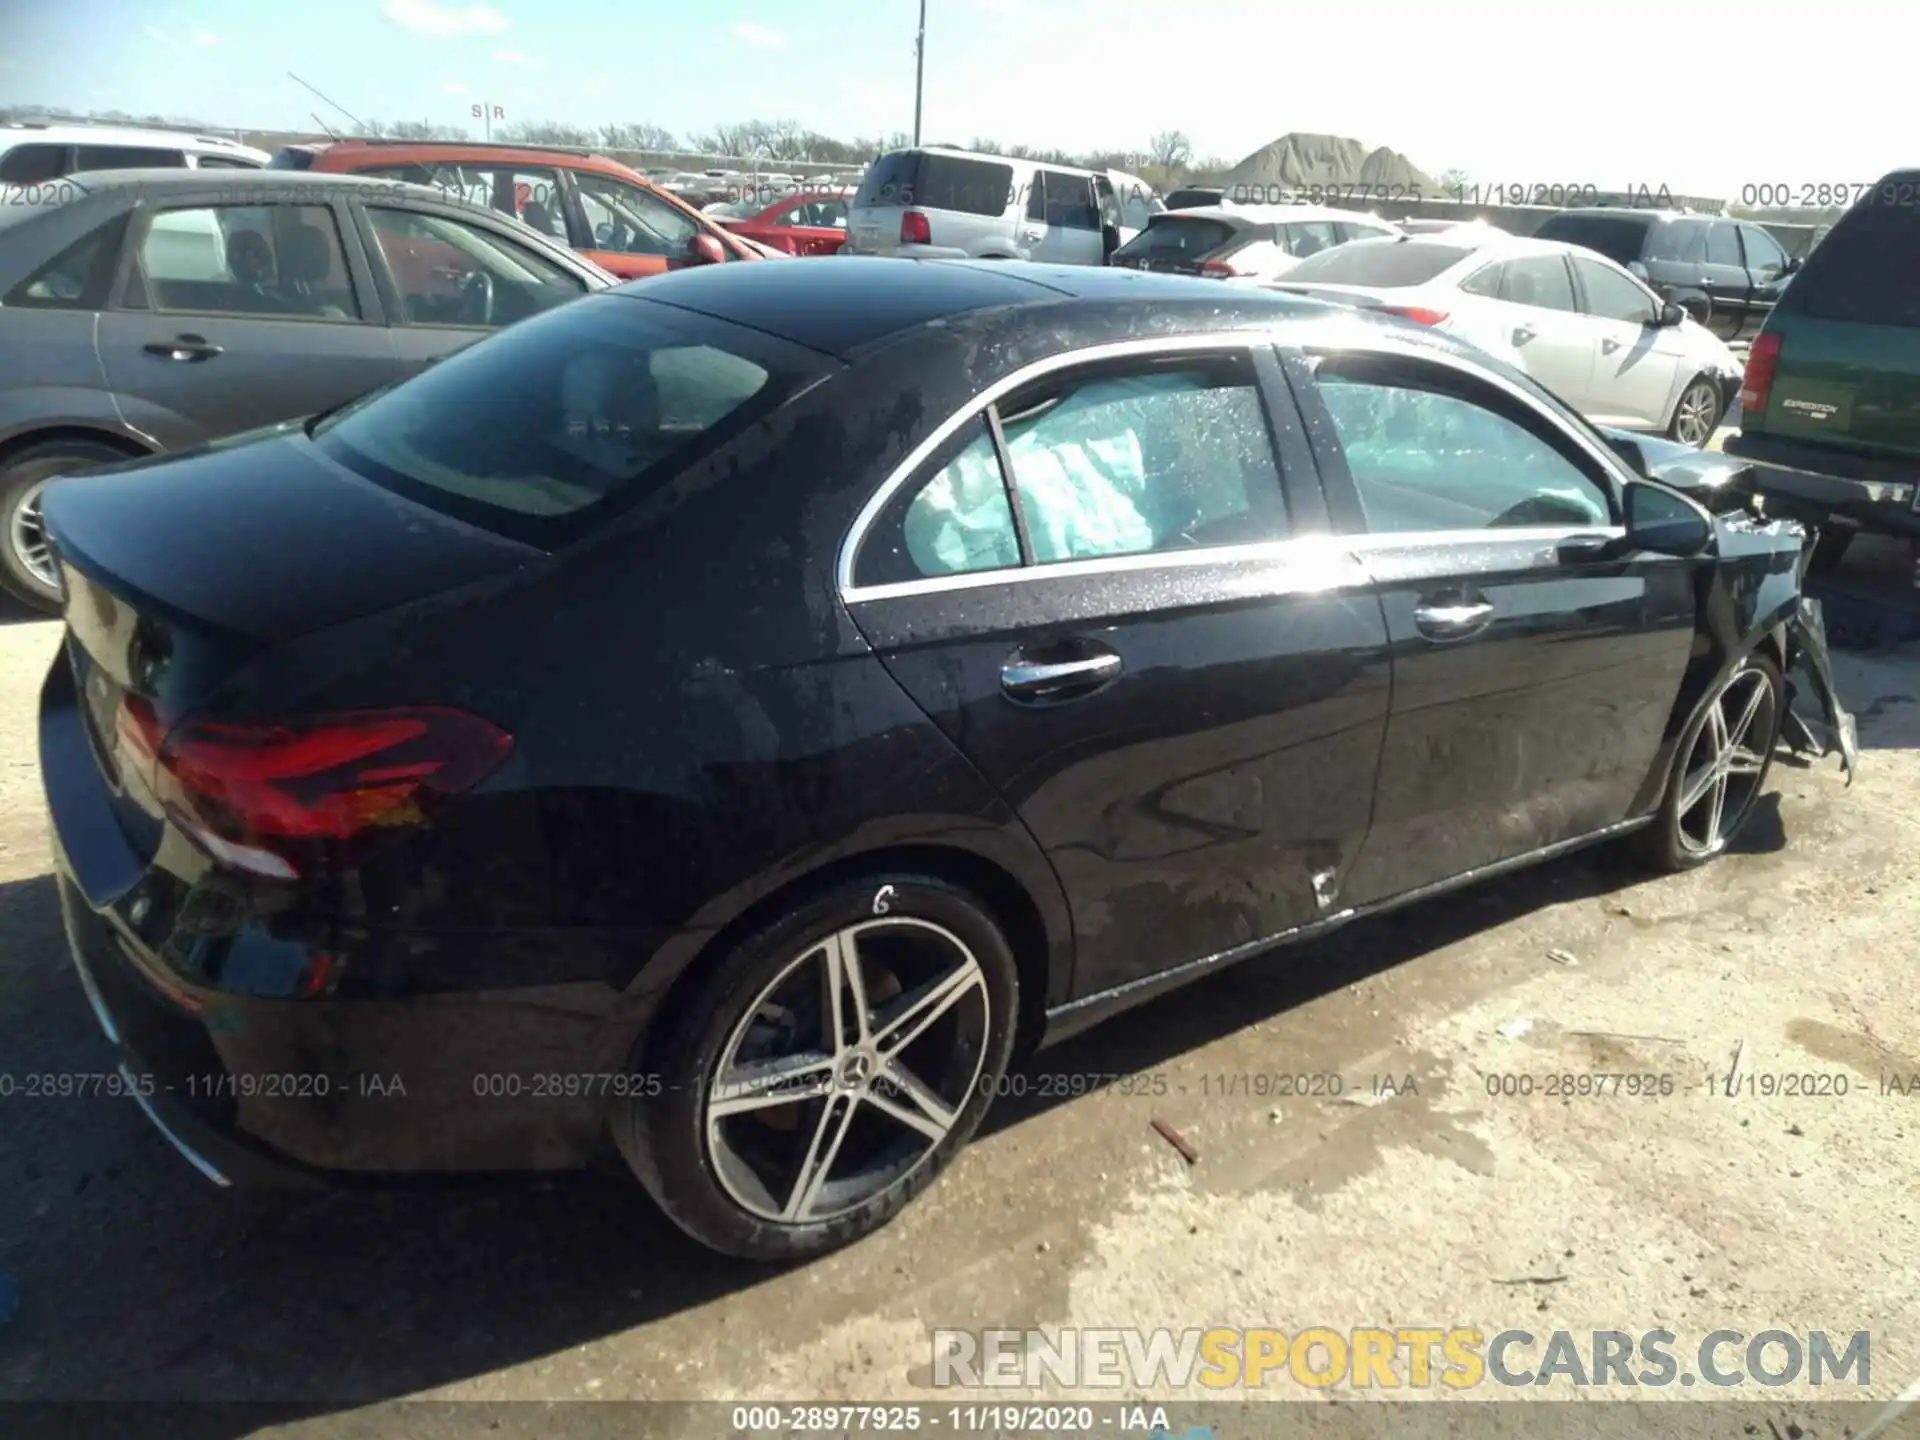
[1607, 347]
[183, 347]
[1032, 234]
[1452, 619]
[1061, 680]
[1578, 548]
[1521, 334]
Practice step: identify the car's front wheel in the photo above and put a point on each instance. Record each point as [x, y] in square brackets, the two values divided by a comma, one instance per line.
[1696, 414]
[826, 1070]
[26, 557]
[1719, 768]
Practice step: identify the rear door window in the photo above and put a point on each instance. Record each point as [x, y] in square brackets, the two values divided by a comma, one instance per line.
[1864, 271]
[549, 427]
[1538, 280]
[1310, 237]
[1723, 245]
[278, 261]
[127, 157]
[33, 164]
[1682, 241]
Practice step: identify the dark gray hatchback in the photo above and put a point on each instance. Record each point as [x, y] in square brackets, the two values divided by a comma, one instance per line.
[152, 311]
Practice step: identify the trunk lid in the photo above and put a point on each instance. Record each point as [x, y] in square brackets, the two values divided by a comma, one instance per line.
[177, 571]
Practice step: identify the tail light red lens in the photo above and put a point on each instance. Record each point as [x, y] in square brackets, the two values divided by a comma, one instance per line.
[915, 229]
[1217, 269]
[1419, 314]
[1763, 358]
[259, 794]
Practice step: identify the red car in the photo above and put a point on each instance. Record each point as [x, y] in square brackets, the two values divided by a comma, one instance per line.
[807, 222]
[617, 219]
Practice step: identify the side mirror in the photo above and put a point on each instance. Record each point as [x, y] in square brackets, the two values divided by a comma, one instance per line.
[1794, 262]
[1665, 522]
[703, 249]
[1670, 314]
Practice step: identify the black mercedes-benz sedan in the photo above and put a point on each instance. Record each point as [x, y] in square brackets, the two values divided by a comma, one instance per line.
[741, 712]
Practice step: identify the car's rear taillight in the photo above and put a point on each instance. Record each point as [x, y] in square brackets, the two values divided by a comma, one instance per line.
[1219, 270]
[1763, 358]
[264, 795]
[1419, 314]
[914, 229]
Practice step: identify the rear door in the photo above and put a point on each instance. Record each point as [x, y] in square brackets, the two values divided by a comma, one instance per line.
[449, 279]
[1636, 366]
[1533, 682]
[1107, 595]
[1069, 220]
[1525, 309]
[1767, 273]
[1723, 276]
[235, 316]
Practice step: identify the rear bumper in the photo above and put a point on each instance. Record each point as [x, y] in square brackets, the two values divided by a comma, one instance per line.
[1817, 482]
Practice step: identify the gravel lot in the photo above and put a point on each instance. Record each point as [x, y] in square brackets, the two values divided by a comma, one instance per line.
[1446, 1206]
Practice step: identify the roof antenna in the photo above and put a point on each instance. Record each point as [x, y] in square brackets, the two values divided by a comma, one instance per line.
[358, 122]
[326, 128]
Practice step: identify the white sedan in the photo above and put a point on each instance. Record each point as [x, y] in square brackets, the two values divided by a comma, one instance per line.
[1572, 319]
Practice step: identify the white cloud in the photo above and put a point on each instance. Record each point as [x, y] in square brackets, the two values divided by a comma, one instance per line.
[510, 57]
[204, 38]
[445, 22]
[454, 87]
[761, 35]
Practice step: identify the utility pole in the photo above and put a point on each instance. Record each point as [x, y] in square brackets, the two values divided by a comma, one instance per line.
[919, 69]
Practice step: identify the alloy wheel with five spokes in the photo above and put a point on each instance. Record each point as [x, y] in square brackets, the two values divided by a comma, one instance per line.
[1727, 761]
[1697, 413]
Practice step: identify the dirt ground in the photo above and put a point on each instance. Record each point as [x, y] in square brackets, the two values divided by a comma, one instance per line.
[1443, 1205]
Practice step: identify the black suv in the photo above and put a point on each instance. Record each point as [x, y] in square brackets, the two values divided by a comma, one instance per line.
[1726, 274]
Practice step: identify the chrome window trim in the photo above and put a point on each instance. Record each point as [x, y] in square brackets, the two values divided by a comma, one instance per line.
[1349, 339]
[1243, 341]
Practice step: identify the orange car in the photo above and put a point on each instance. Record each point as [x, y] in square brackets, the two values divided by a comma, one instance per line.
[596, 205]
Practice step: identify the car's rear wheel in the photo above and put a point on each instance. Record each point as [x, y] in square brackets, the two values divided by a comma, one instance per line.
[26, 558]
[1696, 414]
[827, 1069]
[1719, 768]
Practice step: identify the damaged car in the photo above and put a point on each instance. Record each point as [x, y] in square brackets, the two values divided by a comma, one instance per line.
[737, 715]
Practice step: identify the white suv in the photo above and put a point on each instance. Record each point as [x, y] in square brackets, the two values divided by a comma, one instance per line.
[35, 154]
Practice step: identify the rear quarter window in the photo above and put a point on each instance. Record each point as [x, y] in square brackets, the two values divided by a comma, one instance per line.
[1867, 270]
[542, 431]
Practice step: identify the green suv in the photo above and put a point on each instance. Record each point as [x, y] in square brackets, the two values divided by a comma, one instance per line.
[1832, 387]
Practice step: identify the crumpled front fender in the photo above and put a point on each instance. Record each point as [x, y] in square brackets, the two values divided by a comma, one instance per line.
[1807, 631]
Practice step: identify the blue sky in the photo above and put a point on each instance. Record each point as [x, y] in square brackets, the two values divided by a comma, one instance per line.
[1522, 92]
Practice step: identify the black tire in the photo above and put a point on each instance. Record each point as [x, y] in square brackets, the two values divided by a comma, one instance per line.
[1829, 548]
[1672, 842]
[700, 1184]
[1702, 397]
[20, 476]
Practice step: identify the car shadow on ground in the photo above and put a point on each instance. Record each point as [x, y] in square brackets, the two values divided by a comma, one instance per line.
[141, 1282]
[13, 612]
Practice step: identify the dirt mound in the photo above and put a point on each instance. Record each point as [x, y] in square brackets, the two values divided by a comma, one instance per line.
[1303, 159]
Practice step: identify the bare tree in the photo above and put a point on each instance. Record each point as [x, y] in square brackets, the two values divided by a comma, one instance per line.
[1455, 180]
[637, 137]
[424, 130]
[545, 132]
[1171, 150]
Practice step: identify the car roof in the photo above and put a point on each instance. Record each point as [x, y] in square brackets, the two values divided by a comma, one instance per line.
[1282, 214]
[16, 133]
[400, 152]
[987, 158]
[841, 305]
[253, 182]
[1634, 212]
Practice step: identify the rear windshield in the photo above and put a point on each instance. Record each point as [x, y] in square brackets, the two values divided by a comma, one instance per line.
[933, 181]
[1385, 263]
[1617, 238]
[1182, 199]
[544, 429]
[1177, 237]
[1865, 271]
